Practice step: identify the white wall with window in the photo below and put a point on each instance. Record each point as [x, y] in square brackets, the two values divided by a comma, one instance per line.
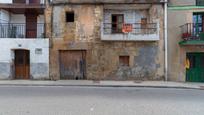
[18, 21]
[143, 26]
[6, 1]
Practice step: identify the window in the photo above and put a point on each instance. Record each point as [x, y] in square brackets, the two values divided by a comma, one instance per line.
[198, 20]
[69, 16]
[124, 60]
[200, 2]
[117, 23]
[143, 22]
[144, 25]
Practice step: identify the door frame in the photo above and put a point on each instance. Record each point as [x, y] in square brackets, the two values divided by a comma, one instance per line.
[27, 52]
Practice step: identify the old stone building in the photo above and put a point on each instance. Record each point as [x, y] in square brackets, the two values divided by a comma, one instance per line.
[186, 40]
[106, 39]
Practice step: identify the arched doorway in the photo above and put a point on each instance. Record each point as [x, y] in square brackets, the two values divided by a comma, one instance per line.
[22, 64]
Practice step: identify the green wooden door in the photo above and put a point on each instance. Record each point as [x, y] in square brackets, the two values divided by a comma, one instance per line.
[195, 72]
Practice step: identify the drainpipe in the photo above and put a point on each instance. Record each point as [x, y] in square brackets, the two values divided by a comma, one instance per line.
[166, 40]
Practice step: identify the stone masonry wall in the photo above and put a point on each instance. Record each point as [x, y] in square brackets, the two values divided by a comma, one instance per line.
[102, 61]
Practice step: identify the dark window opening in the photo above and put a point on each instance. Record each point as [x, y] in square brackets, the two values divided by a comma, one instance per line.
[199, 2]
[144, 23]
[117, 23]
[198, 23]
[124, 60]
[69, 16]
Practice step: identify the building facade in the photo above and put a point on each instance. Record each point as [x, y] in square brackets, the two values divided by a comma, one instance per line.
[106, 40]
[186, 40]
[24, 48]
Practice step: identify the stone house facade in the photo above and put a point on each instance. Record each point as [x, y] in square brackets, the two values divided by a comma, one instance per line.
[106, 40]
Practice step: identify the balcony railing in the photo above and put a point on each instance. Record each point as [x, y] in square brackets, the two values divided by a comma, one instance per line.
[192, 31]
[29, 1]
[137, 28]
[18, 30]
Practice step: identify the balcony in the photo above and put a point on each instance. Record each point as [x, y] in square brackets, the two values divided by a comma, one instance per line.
[17, 30]
[21, 6]
[22, 1]
[139, 32]
[192, 34]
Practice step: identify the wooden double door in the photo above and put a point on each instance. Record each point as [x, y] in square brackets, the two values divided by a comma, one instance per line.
[195, 70]
[72, 64]
[22, 64]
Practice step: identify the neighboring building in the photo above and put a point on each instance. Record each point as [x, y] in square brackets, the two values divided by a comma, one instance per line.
[24, 50]
[186, 40]
[88, 39]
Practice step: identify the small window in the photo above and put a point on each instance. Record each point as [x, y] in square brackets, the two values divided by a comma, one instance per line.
[117, 23]
[69, 16]
[144, 22]
[124, 60]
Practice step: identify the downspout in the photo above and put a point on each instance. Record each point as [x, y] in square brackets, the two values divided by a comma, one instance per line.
[165, 41]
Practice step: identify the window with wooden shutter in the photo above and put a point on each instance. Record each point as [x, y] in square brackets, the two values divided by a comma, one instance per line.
[117, 23]
[124, 60]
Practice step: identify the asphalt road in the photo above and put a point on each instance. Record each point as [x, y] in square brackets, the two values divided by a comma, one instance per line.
[28, 100]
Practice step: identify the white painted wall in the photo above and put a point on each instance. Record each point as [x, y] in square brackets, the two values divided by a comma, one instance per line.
[6, 1]
[17, 18]
[4, 16]
[7, 44]
[130, 16]
[20, 18]
[7, 55]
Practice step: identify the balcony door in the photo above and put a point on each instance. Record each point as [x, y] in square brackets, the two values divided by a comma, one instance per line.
[31, 25]
[117, 23]
[198, 20]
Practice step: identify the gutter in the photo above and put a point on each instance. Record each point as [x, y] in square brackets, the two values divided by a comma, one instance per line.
[165, 42]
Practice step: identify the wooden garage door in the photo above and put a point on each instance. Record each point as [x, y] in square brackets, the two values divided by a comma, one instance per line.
[72, 64]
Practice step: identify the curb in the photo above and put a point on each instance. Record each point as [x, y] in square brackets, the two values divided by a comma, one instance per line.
[131, 86]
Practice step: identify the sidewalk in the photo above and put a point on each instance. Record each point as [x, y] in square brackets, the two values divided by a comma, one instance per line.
[89, 83]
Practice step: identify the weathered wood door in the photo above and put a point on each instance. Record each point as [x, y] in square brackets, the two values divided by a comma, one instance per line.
[22, 64]
[72, 64]
[31, 25]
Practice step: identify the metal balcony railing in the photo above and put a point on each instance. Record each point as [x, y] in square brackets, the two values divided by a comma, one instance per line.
[29, 1]
[20, 30]
[137, 28]
[192, 31]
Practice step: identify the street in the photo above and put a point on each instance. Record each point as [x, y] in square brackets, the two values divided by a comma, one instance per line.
[69, 100]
